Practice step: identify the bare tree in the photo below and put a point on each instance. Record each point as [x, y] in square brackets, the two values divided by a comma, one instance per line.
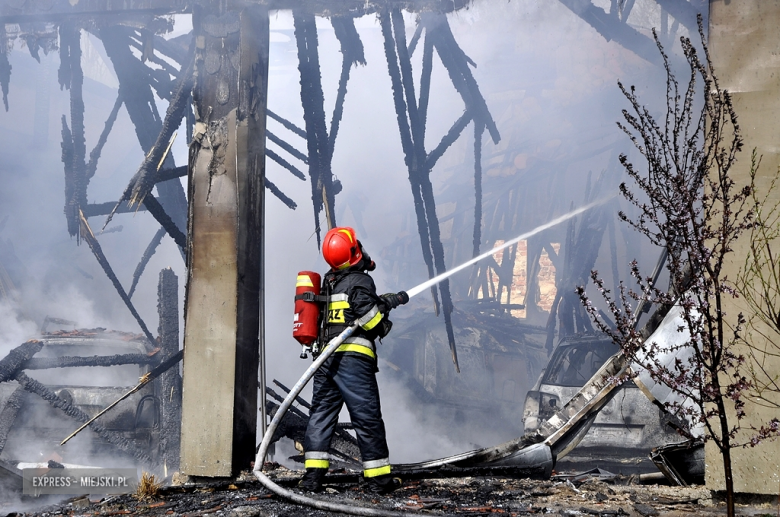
[688, 202]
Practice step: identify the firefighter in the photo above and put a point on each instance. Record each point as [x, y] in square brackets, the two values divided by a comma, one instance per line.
[349, 375]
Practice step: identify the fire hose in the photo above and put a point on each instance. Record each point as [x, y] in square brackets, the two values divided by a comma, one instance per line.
[331, 348]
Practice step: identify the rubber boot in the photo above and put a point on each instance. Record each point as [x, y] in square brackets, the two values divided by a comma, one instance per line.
[382, 485]
[312, 480]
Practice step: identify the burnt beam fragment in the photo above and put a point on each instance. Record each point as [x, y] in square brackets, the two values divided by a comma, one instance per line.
[286, 123]
[457, 64]
[94, 155]
[8, 415]
[13, 362]
[452, 135]
[145, 258]
[352, 53]
[313, 101]
[145, 178]
[157, 210]
[5, 67]
[96, 209]
[115, 439]
[94, 245]
[284, 163]
[408, 147]
[169, 383]
[292, 205]
[287, 147]
[141, 107]
[45, 363]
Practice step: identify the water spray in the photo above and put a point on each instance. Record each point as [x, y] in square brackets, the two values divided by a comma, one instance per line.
[331, 348]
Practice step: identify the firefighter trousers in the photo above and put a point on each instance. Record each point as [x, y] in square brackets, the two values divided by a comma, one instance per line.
[347, 378]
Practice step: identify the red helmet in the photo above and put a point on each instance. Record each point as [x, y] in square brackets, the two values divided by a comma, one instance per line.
[341, 248]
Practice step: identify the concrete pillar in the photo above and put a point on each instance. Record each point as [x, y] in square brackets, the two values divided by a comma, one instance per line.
[226, 171]
[743, 41]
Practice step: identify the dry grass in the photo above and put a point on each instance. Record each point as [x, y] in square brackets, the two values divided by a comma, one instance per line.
[148, 487]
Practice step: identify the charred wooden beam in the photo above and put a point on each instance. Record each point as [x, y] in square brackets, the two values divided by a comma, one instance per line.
[284, 163]
[169, 383]
[614, 30]
[45, 363]
[145, 178]
[5, 67]
[13, 362]
[145, 258]
[456, 62]
[684, 12]
[157, 210]
[286, 123]
[479, 128]
[8, 415]
[56, 10]
[292, 205]
[141, 107]
[352, 54]
[115, 439]
[313, 101]
[447, 140]
[287, 147]
[72, 78]
[96, 209]
[94, 155]
[94, 245]
[408, 147]
[169, 174]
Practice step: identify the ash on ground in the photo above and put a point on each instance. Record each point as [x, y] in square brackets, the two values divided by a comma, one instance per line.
[597, 494]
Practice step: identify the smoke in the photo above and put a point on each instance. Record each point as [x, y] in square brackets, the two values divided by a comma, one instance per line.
[549, 80]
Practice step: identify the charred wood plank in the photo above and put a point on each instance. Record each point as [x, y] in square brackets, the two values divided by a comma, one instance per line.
[479, 128]
[8, 415]
[169, 174]
[169, 383]
[71, 77]
[682, 11]
[94, 245]
[287, 147]
[5, 67]
[284, 163]
[96, 209]
[313, 101]
[423, 175]
[115, 439]
[352, 53]
[141, 107]
[448, 139]
[407, 146]
[94, 155]
[145, 258]
[415, 39]
[13, 362]
[455, 61]
[157, 210]
[614, 30]
[145, 178]
[425, 82]
[279, 194]
[45, 363]
[286, 123]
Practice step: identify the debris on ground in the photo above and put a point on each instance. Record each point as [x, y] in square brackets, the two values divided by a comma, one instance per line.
[473, 496]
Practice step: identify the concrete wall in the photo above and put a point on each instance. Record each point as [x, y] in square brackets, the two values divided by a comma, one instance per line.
[744, 41]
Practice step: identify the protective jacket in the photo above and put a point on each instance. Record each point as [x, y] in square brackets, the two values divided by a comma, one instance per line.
[352, 297]
[348, 376]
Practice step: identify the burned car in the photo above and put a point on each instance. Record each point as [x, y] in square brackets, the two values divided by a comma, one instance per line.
[625, 430]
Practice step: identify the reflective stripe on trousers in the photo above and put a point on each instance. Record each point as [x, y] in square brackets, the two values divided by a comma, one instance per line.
[316, 460]
[372, 469]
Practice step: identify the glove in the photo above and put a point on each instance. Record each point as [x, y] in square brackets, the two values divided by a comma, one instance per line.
[393, 300]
